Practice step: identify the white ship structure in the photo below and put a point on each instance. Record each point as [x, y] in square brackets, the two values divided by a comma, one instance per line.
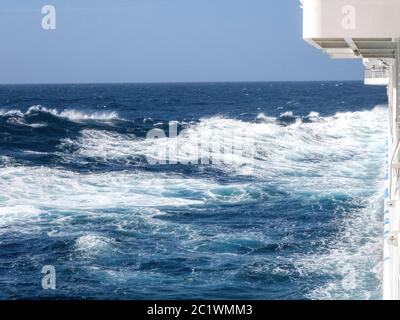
[369, 30]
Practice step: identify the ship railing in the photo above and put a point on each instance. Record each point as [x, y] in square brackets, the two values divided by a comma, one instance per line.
[377, 73]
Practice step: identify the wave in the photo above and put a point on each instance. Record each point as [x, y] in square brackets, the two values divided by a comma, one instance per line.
[328, 150]
[70, 114]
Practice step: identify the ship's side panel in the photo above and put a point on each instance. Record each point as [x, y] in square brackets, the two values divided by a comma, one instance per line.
[324, 19]
[391, 261]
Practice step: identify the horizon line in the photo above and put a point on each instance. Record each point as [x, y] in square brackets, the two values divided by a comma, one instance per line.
[171, 82]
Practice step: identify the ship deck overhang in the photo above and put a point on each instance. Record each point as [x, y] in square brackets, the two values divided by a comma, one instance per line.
[353, 28]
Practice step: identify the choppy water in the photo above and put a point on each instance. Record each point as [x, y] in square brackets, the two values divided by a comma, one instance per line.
[76, 192]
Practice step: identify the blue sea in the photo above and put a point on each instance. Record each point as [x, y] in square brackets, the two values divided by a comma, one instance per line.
[303, 221]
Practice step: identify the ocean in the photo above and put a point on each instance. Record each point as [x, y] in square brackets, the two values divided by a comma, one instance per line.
[299, 216]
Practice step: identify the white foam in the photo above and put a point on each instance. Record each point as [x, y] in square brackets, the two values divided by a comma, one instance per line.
[266, 119]
[19, 217]
[314, 116]
[93, 245]
[287, 114]
[330, 151]
[71, 114]
[4, 112]
[332, 154]
[61, 189]
[104, 144]
[352, 261]
[75, 115]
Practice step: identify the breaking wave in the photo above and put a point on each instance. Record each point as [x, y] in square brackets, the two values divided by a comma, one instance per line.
[308, 147]
[70, 114]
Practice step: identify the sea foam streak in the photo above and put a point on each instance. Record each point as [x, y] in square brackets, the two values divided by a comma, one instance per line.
[70, 114]
[353, 258]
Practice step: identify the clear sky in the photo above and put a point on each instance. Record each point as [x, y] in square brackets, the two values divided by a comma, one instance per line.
[161, 41]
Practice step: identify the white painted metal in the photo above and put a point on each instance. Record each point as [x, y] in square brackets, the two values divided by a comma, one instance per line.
[369, 29]
[330, 19]
[392, 201]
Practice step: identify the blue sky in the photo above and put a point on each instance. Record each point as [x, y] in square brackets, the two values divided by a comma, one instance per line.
[161, 41]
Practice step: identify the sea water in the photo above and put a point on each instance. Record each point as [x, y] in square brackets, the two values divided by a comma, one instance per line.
[77, 191]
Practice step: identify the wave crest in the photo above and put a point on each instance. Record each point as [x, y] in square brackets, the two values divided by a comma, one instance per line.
[299, 149]
[70, 114]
